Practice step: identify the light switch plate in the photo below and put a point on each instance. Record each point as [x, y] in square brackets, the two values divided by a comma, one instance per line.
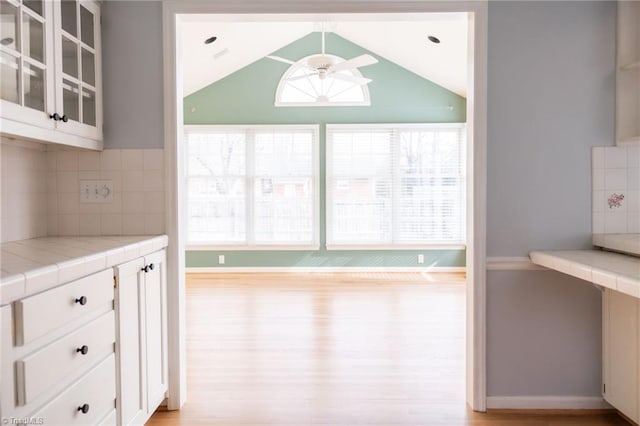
[96, 191]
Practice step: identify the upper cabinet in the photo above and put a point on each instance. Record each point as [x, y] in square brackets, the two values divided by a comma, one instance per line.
[50, 61]
[628, 73]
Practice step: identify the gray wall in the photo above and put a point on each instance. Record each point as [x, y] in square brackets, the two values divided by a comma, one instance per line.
[551, 97]
[544, 335]
[132, 74]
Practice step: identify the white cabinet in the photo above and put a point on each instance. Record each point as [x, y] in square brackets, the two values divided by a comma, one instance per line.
[57, 353]
[50, 59]
[141, 310]
[628, 73]
[621, 360]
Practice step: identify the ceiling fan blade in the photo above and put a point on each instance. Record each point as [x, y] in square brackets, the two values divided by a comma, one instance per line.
[360, 81]
[280, 59]
[358, 61]
[300, 77]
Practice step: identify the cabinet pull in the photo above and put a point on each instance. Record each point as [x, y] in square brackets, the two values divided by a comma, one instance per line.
[84, 349]
[148, 267]
[84, 408]
[55, 116]
[82, 300]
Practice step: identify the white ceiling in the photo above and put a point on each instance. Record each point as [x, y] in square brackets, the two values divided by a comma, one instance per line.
[404, 42]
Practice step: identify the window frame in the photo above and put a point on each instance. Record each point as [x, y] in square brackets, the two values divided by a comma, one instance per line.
[282, 83]
[391, 127]
[248, 245]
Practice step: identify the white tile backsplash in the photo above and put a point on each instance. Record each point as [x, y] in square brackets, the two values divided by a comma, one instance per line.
[67, 161]
[615, 185]
[111, 224]
[597, 180]
[23, 190]
[153, 180]
[111, 159]
[138, 192]
[153, 159]
[633, 156]
[615, 223]
[633, 178]
[615, 179]
[132, 181]
[615, 157]
[597, 158]
[88, 161]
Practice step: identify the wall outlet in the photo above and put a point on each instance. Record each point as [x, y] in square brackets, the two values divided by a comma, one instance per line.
[221, 259]
[421, 258]
[96, 191]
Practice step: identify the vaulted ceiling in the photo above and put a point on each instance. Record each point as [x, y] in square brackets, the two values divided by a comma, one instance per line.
[404, 41]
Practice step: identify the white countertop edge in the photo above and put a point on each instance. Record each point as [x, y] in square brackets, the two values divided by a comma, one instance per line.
[16, 283]
[617, 271]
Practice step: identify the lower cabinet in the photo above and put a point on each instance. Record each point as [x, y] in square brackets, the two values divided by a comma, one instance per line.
[141, 337]
[621, 360]
[57, 357]
[86, 353]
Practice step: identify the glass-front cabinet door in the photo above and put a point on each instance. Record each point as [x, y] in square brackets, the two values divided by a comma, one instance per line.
[26, 62]
[78, 79]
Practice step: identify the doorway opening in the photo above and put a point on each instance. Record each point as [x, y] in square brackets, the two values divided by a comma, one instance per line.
[177, 17]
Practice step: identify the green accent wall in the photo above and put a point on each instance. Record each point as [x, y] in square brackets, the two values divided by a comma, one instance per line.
[397, 96]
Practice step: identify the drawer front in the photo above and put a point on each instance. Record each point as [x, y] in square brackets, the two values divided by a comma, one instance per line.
[73, 353]
[44, 312]
[109, 420]
[96, 391]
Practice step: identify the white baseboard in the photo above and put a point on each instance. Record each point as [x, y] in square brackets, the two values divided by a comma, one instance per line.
[547, 403]
[279, 269]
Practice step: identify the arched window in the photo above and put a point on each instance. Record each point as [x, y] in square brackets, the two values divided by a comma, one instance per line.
[302, 86]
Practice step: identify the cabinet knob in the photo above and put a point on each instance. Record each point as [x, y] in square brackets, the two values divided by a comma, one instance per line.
[82, 300]
[64, 118]
[84, 408]
[151, 266]
[145, 268]
[84, 349]
[55, 116]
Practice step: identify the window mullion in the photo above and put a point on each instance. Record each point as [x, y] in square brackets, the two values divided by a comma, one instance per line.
[250, 187]
[395, 188]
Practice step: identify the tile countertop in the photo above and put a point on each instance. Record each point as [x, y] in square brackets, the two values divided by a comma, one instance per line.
[31, 266]
[627, 243]
[616, 271]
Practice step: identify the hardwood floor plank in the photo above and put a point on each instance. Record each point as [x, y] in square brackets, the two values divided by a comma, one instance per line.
[333, 349]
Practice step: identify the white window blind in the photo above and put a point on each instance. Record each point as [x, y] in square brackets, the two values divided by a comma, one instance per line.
[395, 185]
[251, 186]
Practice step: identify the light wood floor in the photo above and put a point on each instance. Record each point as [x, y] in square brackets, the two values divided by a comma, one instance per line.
[333, 349]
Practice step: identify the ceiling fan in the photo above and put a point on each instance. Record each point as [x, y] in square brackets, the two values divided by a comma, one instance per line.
[324, 66]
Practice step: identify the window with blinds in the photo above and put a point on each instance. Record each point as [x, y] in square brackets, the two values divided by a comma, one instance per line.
[396, 185]
[252, 185]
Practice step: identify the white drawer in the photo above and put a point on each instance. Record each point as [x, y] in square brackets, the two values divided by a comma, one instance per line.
[34, 373]
[44, 312]
[97, 389]
[109, 419]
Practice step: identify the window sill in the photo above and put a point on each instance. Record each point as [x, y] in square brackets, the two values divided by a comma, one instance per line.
[261, 247]
[443, 246]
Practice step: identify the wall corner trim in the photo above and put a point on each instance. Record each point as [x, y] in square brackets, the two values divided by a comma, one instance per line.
[512, 264]
[547, 403]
